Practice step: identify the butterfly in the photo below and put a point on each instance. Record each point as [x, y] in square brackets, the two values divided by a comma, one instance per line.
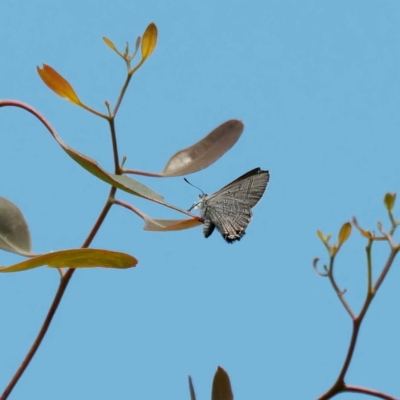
[229, 209]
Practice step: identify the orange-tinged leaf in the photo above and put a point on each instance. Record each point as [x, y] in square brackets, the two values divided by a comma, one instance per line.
[110, 44]
[58, 84]
[344, 233]
[389, 200]
[205, 152]
[163, 225]
[149, 41]
[221, 389]
[76, 258]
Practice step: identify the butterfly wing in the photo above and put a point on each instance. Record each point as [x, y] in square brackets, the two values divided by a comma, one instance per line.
[229, 209]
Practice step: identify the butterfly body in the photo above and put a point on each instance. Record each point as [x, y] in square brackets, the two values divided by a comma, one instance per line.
[229, 209]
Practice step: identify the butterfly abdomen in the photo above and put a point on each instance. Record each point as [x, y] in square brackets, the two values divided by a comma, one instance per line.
[208, 228]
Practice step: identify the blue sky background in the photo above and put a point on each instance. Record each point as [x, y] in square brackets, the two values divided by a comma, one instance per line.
[316, 84]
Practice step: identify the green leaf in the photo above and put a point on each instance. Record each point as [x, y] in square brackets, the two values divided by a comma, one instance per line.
[389, 201]
[124, 183]
[14, 231]
[76, 258]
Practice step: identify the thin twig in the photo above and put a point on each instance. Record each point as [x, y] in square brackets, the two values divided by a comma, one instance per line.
[337, 290]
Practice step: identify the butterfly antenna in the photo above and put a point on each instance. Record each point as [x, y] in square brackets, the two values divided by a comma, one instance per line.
[191, 184]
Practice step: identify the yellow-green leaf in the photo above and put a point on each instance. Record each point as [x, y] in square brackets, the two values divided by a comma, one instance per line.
[389, 200]
[363, 232]
[344, 233]
[149, 41]
[76, 258]
[321, 236]
[110, 44]
[58, 84]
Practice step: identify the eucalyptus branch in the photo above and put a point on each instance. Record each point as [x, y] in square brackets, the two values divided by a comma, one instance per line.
[340, 386]
[370, 392]
[56, 302]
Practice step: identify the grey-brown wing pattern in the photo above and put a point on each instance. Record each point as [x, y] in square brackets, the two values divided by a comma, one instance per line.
[229, 209]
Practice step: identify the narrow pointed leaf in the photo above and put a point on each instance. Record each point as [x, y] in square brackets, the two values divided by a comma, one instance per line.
[206, 151]
[58, 84]
[14, 231]
[221, 389]
[110, 44]
[344, 233]
[76, 258]
[124, 183]
[191, 389]
[321, 236]
[389, 200]
[138, 41]
[149, 41]
[363, 232]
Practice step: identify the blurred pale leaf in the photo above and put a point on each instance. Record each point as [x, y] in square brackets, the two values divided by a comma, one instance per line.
[138, 41]
[14, 231]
